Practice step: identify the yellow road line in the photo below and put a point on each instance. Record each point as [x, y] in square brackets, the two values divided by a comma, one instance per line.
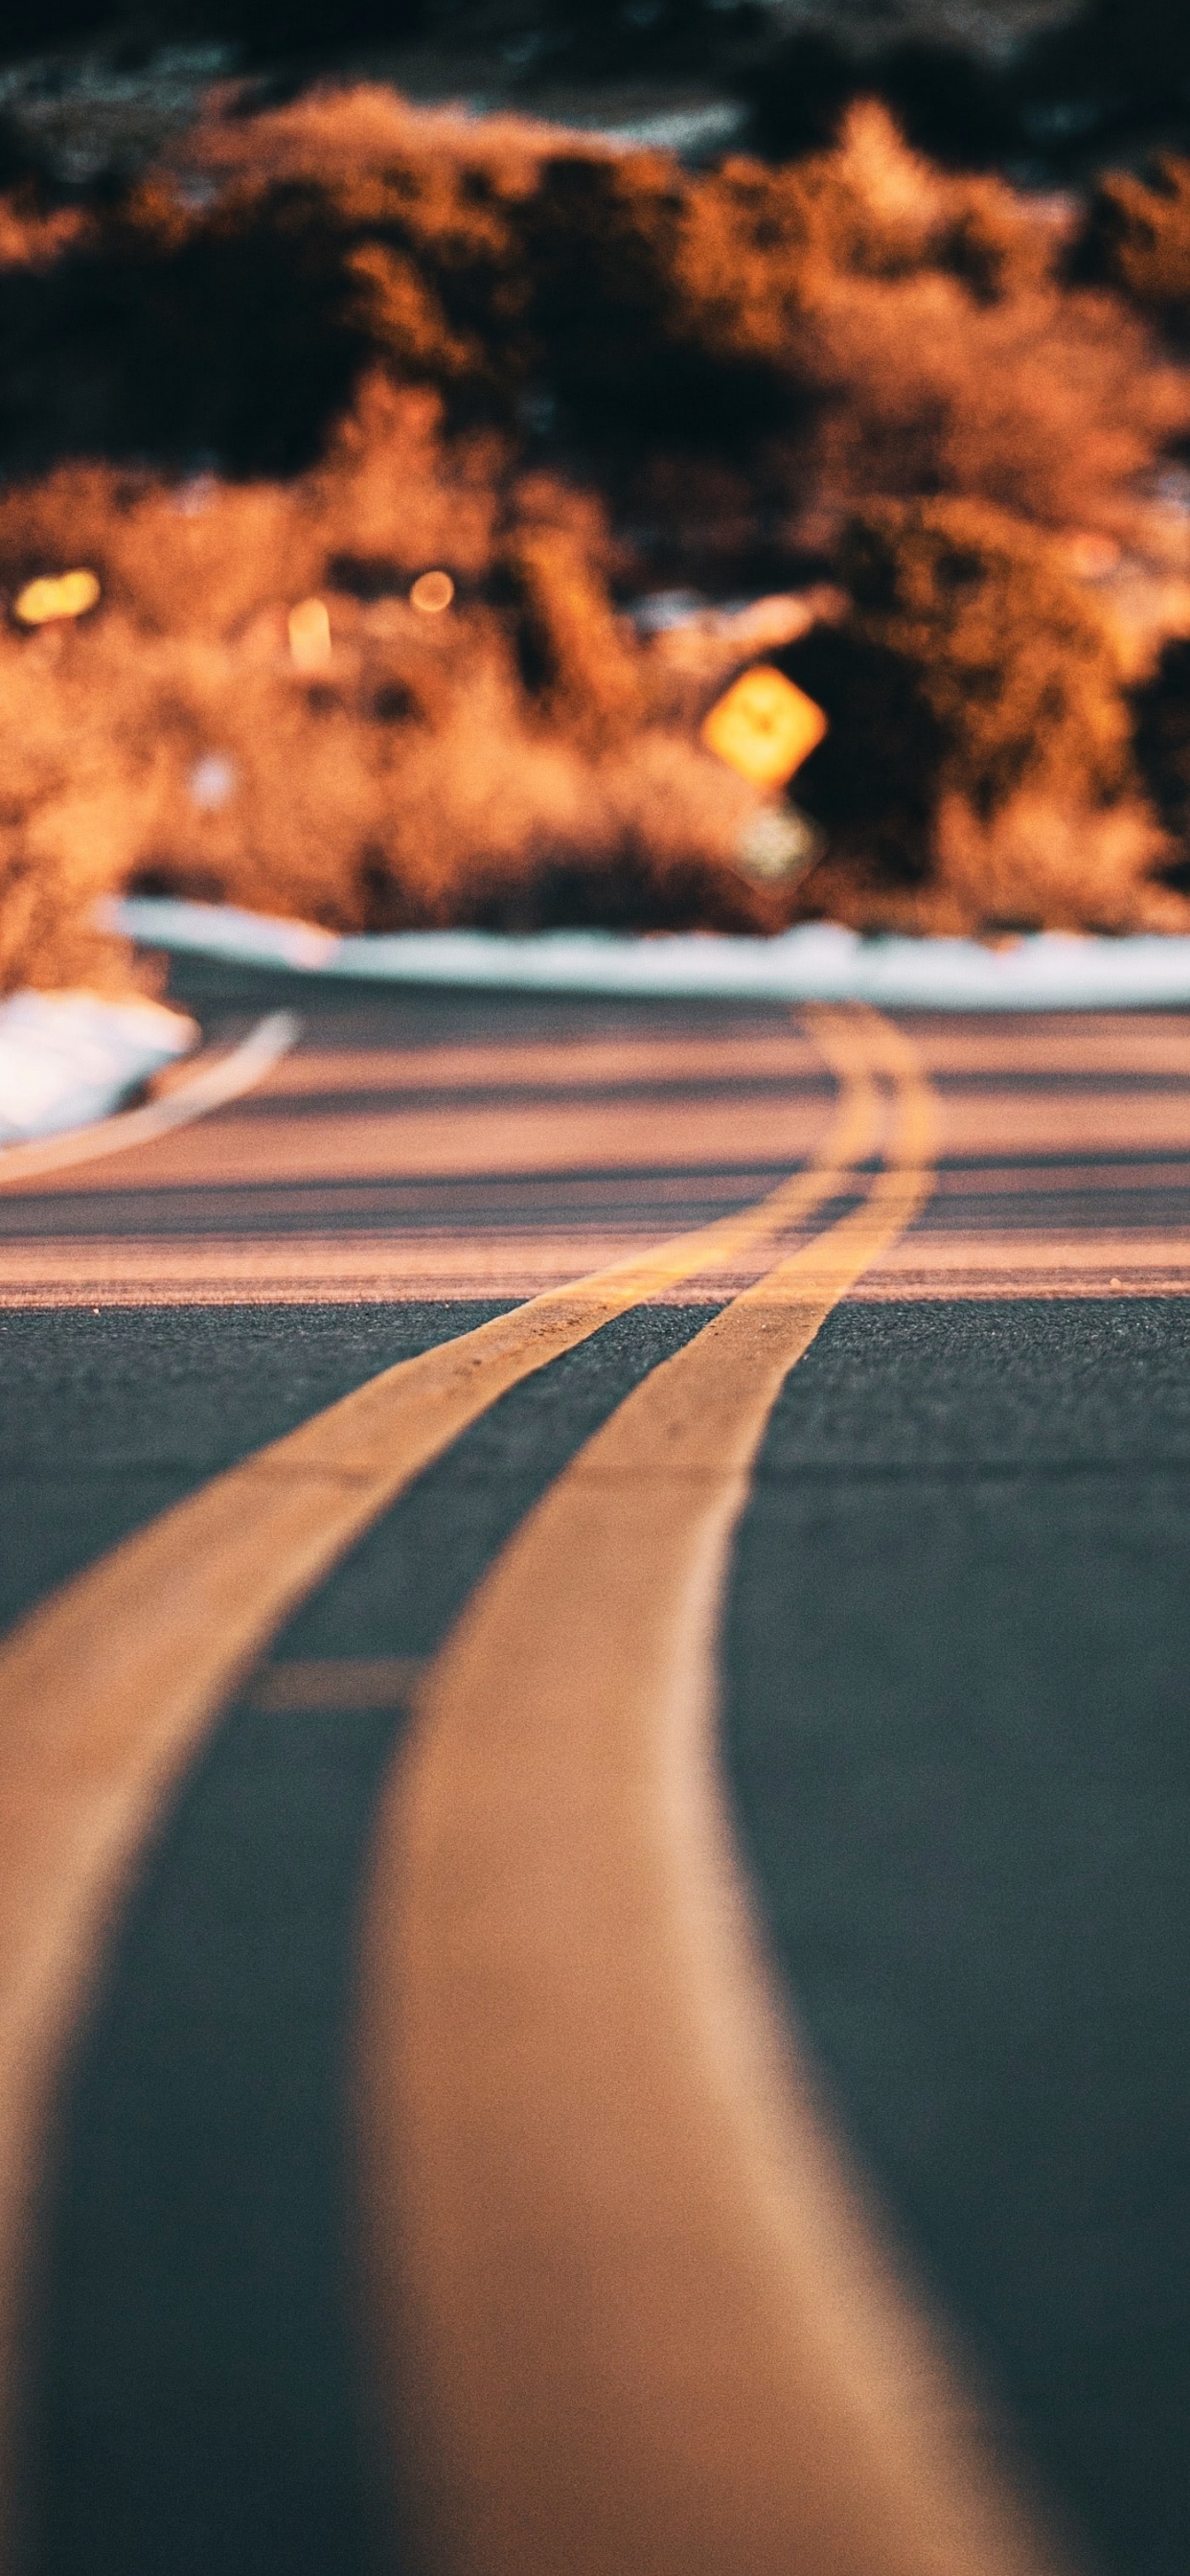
[619, 2273]
[107, 1689]
[209, 1086]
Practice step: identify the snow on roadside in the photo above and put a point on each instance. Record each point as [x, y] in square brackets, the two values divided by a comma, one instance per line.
[68, 1058]
[820, 961]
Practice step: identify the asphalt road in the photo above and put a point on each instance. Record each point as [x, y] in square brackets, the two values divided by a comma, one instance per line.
[954, 1725]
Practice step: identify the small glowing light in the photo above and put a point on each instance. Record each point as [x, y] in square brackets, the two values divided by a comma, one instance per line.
[213, 781]
[764, 726]
[431, 593]
[66, 594]
[310, 635]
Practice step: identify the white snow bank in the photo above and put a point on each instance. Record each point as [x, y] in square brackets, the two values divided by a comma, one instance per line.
[220, 930]
[820, 962]
[66, 1058]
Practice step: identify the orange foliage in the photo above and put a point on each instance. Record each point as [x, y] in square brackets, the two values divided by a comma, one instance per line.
[420, 776]
[1137, 237]
[979, 769]
[359, 342]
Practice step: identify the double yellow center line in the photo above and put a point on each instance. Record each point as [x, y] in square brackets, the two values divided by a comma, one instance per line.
[578, 1687]
[620, 2282]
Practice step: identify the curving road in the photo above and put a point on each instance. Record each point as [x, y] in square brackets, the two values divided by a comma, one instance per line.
[410, 2110]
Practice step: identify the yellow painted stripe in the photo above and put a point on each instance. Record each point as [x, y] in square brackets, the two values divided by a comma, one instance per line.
[107, 1689]
[209, 1086]
[619, 2272]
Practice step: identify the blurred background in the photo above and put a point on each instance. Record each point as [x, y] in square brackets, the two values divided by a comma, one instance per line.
[416, 418]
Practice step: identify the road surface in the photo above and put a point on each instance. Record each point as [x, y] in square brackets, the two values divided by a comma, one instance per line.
[315, 1967]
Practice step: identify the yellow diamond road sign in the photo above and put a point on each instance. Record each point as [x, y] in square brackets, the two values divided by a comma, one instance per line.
[764, 726]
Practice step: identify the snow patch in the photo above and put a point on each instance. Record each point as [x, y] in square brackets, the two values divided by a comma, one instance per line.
[819, 962]
[68, 1058]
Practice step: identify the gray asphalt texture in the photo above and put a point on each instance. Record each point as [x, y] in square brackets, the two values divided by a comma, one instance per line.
[957, 1746]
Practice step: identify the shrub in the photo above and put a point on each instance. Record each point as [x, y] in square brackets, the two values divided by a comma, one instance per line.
[1137, 239]
[510, 762]
[341, 342]
[950, 100]
[1162, 736]
[859, 321]
[1102, 77]
[971, 690]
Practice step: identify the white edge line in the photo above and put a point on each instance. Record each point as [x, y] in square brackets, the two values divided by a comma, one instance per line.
[819, 961]
[209, 1087]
